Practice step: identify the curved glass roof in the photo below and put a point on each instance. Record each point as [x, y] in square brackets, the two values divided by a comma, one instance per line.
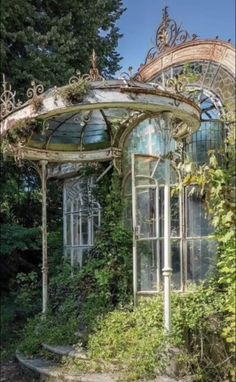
[84, 130]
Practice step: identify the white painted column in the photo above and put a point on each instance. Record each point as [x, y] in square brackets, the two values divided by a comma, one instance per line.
[135, 275]
[44, 237]
[167, 270]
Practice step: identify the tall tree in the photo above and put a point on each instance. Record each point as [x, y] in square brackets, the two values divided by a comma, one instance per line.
[47, 40]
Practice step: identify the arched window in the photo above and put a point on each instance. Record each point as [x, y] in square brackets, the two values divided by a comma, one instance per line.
[81, 218]
[211, 133]
[192, 249]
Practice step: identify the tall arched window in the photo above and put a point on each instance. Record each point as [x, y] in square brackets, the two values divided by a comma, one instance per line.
[81, 218]
[192, 249]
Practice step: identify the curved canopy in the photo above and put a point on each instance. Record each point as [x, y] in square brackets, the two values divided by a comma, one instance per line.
[63, 124]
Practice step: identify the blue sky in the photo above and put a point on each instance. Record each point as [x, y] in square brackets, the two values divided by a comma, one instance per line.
[206, 18]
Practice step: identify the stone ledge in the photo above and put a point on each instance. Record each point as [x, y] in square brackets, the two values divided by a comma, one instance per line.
[68, 351]
[50, 371]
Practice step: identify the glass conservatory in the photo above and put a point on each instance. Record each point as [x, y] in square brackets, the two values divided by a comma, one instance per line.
[143, 126]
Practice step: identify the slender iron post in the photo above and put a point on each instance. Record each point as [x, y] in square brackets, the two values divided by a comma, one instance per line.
[167, 270]
[44, 236]
[134, 232]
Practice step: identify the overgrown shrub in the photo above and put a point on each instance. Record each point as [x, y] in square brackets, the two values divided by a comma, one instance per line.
[132, 341]
[104, 282]
[216, 181]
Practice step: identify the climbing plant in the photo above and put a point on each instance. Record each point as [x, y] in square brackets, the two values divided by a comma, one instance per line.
[103, 283]
[216, 182]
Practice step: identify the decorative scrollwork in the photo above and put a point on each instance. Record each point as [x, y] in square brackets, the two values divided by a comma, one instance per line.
[168, 34]
[35, 91]
[8, 102]
[93, 75]
[129, 78]
[178, 85]
[183, 84]
[76, 78]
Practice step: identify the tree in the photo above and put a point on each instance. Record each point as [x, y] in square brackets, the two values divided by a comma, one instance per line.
[47, 40]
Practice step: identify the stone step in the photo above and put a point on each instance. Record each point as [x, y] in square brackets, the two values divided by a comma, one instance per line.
[49, 371]
[68, 351]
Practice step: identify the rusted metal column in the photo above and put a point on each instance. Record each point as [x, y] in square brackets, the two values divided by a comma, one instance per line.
[43, 164]
[135, 275]
[167, 270]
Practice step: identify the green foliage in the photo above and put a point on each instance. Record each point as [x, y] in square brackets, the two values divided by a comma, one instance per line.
[47, 43]
[22, 302]
[52, 330]
[28, 296]
[10, 329]
[105, 280]
[15, 239]
[75, 92]
[19, 193]
[18, 135]
[216, 181]
[132, 341]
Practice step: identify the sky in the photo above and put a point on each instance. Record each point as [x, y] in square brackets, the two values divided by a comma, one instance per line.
[206, 18]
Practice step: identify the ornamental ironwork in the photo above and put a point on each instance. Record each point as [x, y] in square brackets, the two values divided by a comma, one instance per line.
[93, 75]
[8, 101]
[178, 85]
[35, 91]
[168, 35]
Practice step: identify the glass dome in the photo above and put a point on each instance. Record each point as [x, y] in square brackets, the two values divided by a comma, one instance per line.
[85, 130]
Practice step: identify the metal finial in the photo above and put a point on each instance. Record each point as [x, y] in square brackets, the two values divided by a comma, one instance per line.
[93, 75]
[94, 60]
[7, 99]
[168, 35]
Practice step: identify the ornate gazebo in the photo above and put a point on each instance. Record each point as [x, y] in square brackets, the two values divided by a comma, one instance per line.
[143, 125]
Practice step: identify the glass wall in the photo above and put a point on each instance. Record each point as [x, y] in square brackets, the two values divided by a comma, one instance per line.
[193, 252]
[81, 219]
[148, 199]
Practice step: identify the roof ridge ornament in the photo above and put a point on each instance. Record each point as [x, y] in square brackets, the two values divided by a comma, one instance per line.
[7, 99]
[93, 75]
[168, 35]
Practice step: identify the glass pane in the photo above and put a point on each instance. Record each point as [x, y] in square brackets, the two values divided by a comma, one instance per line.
[175, 260]
[143, 165]
[208, 137]
[197, 219]
[95, 226]
[68, 229]
[84, 226]
[161, 211]
[128, 212]
[201, 260]
[175, 264]
[67, 252]
[150, 137]
[144, 181]
[76, 229]
[78, 256]
[174, 201]
[147, 265]
[146, 211]
[68, 205]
